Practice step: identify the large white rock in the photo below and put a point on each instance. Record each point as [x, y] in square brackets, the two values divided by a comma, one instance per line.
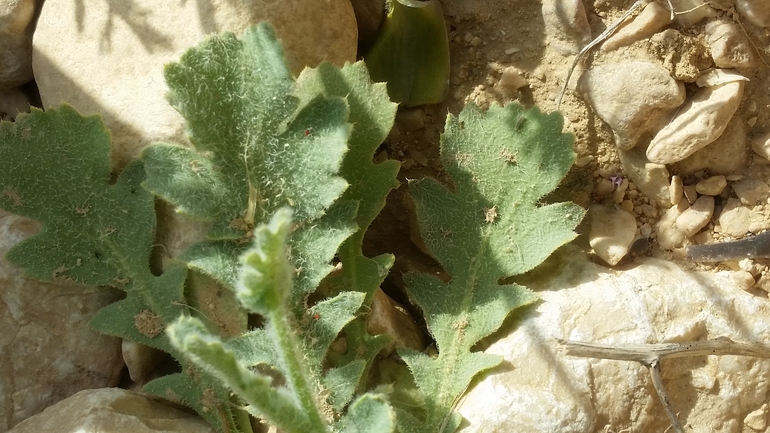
[107, 57]
[112, 410]
[539, 389]
[47, 349]
[633, 98]
[700, 121]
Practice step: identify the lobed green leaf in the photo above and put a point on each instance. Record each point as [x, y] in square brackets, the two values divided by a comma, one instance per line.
[489, 227]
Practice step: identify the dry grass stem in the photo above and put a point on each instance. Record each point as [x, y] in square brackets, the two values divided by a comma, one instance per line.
[650, 356]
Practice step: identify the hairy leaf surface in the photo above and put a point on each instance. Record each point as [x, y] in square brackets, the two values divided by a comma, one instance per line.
[489, 226]
[55, 168]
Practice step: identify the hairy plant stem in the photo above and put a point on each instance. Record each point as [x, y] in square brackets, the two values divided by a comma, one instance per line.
[289, 349]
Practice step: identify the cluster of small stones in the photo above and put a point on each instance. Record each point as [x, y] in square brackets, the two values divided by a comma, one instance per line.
[661, 129]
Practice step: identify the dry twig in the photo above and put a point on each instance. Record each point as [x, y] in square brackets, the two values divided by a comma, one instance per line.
[650, 356]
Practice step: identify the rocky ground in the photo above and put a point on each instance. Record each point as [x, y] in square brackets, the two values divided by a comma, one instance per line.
[648, 135]
[672, 127]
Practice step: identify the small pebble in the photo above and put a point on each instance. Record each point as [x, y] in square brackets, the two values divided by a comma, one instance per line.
[764, 284]
[651, 179]
[676, 189]
[645, 230]
[612, 232]
[761, 145]
[692, 220]
[703, 238]
[650, 20]
[730, 48]
[668, 234]
[743, 280]
[510, 51]
[751, 191]
[750, 266]
[757, 420]
[752, 121]
[511, 80]
[604, 187]
[690, 193]
[476, 41]
[627, 205]
[758, 160]
[699, 122]
[584, 160]
[648, 211]
[711, 186]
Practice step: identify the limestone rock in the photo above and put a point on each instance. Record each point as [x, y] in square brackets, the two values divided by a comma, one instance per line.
[566, 25]
[47, 349]
[113, 410]
[538, 389]
[730, 48]
[724, 156]
[650, 20]
[633, 98]
[713, 185]
[16, 42]
[700, 121]
[668, 234]
[751, 191]
[761, 145]
[756, 11]
[612, 232]
[696, 216]
[117, 68]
